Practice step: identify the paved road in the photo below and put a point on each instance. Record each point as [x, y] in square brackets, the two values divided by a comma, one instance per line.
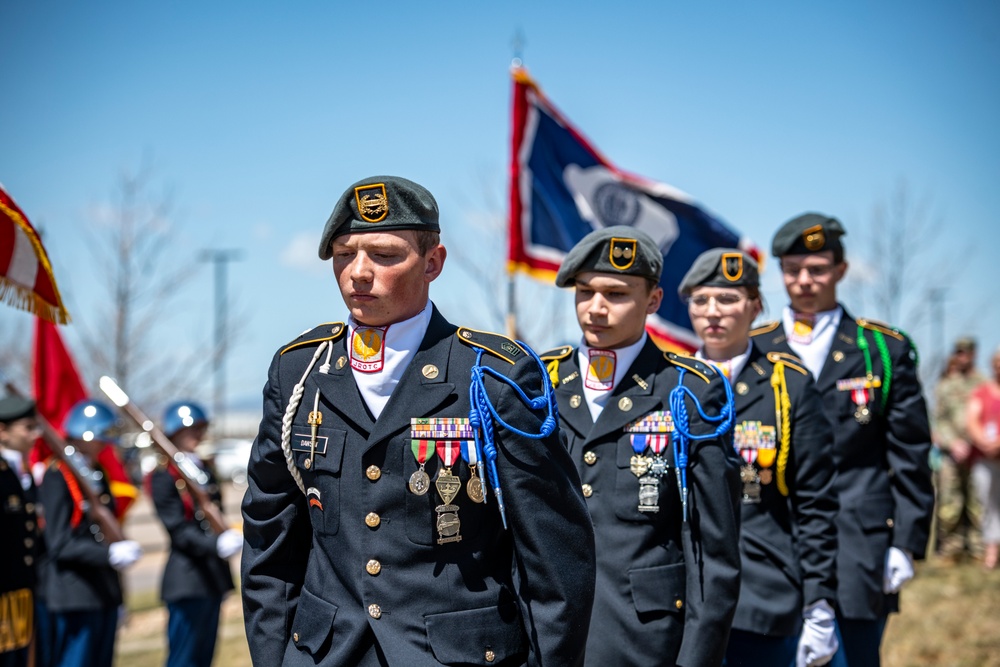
[142, 525]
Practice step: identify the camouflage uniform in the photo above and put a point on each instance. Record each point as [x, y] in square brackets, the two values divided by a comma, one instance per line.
[958, 509]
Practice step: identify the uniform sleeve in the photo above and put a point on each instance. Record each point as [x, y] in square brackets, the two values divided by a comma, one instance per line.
[551, 528]
[64, 544]
[908, 443]
[813, 496]
[277, 536]
[711, 539]
[186, 536]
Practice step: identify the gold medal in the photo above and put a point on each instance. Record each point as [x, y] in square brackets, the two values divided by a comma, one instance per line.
[639, 465]
[447, 485]
[474, 487]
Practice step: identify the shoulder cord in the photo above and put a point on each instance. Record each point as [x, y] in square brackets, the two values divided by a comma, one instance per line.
[293, 406]
[883, 352]
[682, 436]
[782, 417]
[482, 409]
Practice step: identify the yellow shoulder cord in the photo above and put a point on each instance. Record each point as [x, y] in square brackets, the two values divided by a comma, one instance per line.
[553, 369]
[782, 410]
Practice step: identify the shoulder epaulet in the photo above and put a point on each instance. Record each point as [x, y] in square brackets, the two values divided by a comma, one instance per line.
[556, 354]
[765, 328]
[871, 325]
[789, 360]
[494, 343]
[325, 331]
[696, 366]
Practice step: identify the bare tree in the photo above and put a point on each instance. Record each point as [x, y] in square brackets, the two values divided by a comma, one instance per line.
[540, 312]
[899, 271]
[132, 242]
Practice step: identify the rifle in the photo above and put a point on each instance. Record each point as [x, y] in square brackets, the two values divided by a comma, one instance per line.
[82, 471]
[193, 476]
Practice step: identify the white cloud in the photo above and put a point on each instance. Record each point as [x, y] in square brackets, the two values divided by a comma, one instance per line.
[300, 253]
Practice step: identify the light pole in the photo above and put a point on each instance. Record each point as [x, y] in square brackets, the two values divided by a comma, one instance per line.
[220, 258]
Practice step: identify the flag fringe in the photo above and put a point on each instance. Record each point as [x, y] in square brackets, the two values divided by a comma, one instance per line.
[23, 298]
[60, 316]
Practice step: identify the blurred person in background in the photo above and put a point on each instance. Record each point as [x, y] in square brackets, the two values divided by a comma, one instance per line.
[19, 532]
[983, 423]
[82, 581]
[959, 511]
[197, 575]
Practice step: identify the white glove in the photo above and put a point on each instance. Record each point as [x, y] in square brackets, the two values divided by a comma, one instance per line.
[898, 570]
[818, 641]
[123, 554]
[229, 543]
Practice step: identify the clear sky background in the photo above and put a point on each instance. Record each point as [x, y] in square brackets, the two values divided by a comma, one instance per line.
[256, 116]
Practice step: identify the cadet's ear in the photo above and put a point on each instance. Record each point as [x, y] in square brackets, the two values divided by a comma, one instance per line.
[655, 299]
[840, 271]
[435, 262]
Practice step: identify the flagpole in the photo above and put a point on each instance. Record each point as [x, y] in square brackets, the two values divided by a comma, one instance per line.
[517, 46]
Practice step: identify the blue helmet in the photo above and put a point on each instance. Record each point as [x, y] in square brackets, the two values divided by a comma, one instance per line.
[181, 415]
[92, 420]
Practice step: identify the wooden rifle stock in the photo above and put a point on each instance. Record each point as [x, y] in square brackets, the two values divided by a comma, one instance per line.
[96, 510]
[189, 473]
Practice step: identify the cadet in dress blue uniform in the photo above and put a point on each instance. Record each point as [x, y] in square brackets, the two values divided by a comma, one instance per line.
[82, 582]
[867, 374]
[197, 574]
[667, 578]
[788, 539]
[367, 538]
[20, 534]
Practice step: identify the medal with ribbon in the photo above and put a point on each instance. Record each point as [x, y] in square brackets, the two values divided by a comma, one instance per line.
[448, 524]
[423, 451]
[651, 432]
[475, 487]
[861, 395]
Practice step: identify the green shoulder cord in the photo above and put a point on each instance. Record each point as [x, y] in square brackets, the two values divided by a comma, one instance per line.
[883, 352]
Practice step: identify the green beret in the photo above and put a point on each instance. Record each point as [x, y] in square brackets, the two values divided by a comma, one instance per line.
[807, 234]
[13, 408]
[620, 250]
[380, 204]
[721, 267]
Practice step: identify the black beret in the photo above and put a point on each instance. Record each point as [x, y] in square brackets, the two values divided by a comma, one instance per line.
[721, 267]
[13, 408]
[620, 249]
[809, 233]
[380, 204]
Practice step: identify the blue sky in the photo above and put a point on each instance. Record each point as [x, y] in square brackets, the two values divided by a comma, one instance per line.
[256, 116]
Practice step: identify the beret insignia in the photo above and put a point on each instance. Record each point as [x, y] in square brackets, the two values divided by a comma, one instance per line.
[373, 203]
[814, 237]
[732, 266]
[622, 253]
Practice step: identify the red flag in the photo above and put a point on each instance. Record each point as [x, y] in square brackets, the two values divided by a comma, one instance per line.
[58, 388]
[26, 279]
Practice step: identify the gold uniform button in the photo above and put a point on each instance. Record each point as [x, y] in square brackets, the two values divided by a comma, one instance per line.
[30, 525]
[679, 604]
[295, 636]
[889, 523]
[490, 655]
[588, 490]
[375, 611]
[372, 520]
[28, 560]
[590, 458]
[373, 473]
[373, 567]
[29, 507]
[28, 542]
